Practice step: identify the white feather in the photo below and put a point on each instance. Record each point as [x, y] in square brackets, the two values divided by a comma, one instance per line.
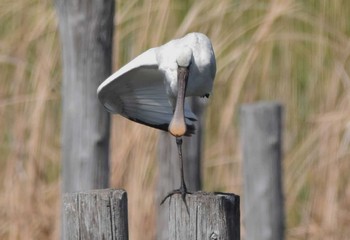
[137, 92]
[143, 90]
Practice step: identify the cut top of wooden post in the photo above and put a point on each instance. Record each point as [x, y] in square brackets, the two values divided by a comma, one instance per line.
[204, 216]
[96, 214]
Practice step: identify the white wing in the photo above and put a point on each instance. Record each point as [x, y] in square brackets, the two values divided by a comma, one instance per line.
[137, 92]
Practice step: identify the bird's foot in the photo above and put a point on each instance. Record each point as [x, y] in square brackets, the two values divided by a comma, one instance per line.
[182, 190]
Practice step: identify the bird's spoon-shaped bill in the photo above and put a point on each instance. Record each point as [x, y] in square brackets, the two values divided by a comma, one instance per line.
[177, 126]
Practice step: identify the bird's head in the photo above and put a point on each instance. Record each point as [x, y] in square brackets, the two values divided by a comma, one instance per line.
[184, 57]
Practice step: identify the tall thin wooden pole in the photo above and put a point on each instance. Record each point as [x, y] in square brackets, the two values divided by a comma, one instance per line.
[192, 148]
[261, 133]
[97, 214]
[86, 29]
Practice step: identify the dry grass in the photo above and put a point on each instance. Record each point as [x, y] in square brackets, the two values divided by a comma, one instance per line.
[296, 52]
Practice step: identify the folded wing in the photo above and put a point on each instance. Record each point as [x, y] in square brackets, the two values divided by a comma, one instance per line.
[137, 92]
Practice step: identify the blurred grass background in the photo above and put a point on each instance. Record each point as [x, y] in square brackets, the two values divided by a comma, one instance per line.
[296, 52]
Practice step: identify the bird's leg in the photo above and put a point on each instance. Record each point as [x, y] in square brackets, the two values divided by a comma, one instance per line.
[177, 126]
[183, 189]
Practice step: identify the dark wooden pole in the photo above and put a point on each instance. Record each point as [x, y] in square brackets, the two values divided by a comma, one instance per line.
[261, 133]
[86, 29]
[207, 216]
[169, 172]
[192, 148]
[97, 214]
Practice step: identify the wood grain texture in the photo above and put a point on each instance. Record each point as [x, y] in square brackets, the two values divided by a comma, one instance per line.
[86, 30]
[261, 133]
[96, 214]
[207, 216]
[169, 167]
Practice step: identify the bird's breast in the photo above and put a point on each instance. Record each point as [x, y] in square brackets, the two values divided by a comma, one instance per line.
[199, 82]
[198, 86]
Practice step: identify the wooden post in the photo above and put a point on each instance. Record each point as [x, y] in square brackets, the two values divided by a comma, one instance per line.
[86, 30]
[192, 148]
[207, 216]
[169, 168]
[96, 214]
[261, 133]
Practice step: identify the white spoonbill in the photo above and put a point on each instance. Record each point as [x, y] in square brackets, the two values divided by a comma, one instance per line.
[151, 89]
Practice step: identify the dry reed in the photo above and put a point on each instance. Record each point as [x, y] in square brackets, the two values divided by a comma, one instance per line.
[295, 52]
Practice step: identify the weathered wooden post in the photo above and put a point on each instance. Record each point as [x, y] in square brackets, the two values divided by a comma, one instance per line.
[169, 177]
[204, 216]
[86, 29]
[192, 148]
[261, 133]
[96, 214]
